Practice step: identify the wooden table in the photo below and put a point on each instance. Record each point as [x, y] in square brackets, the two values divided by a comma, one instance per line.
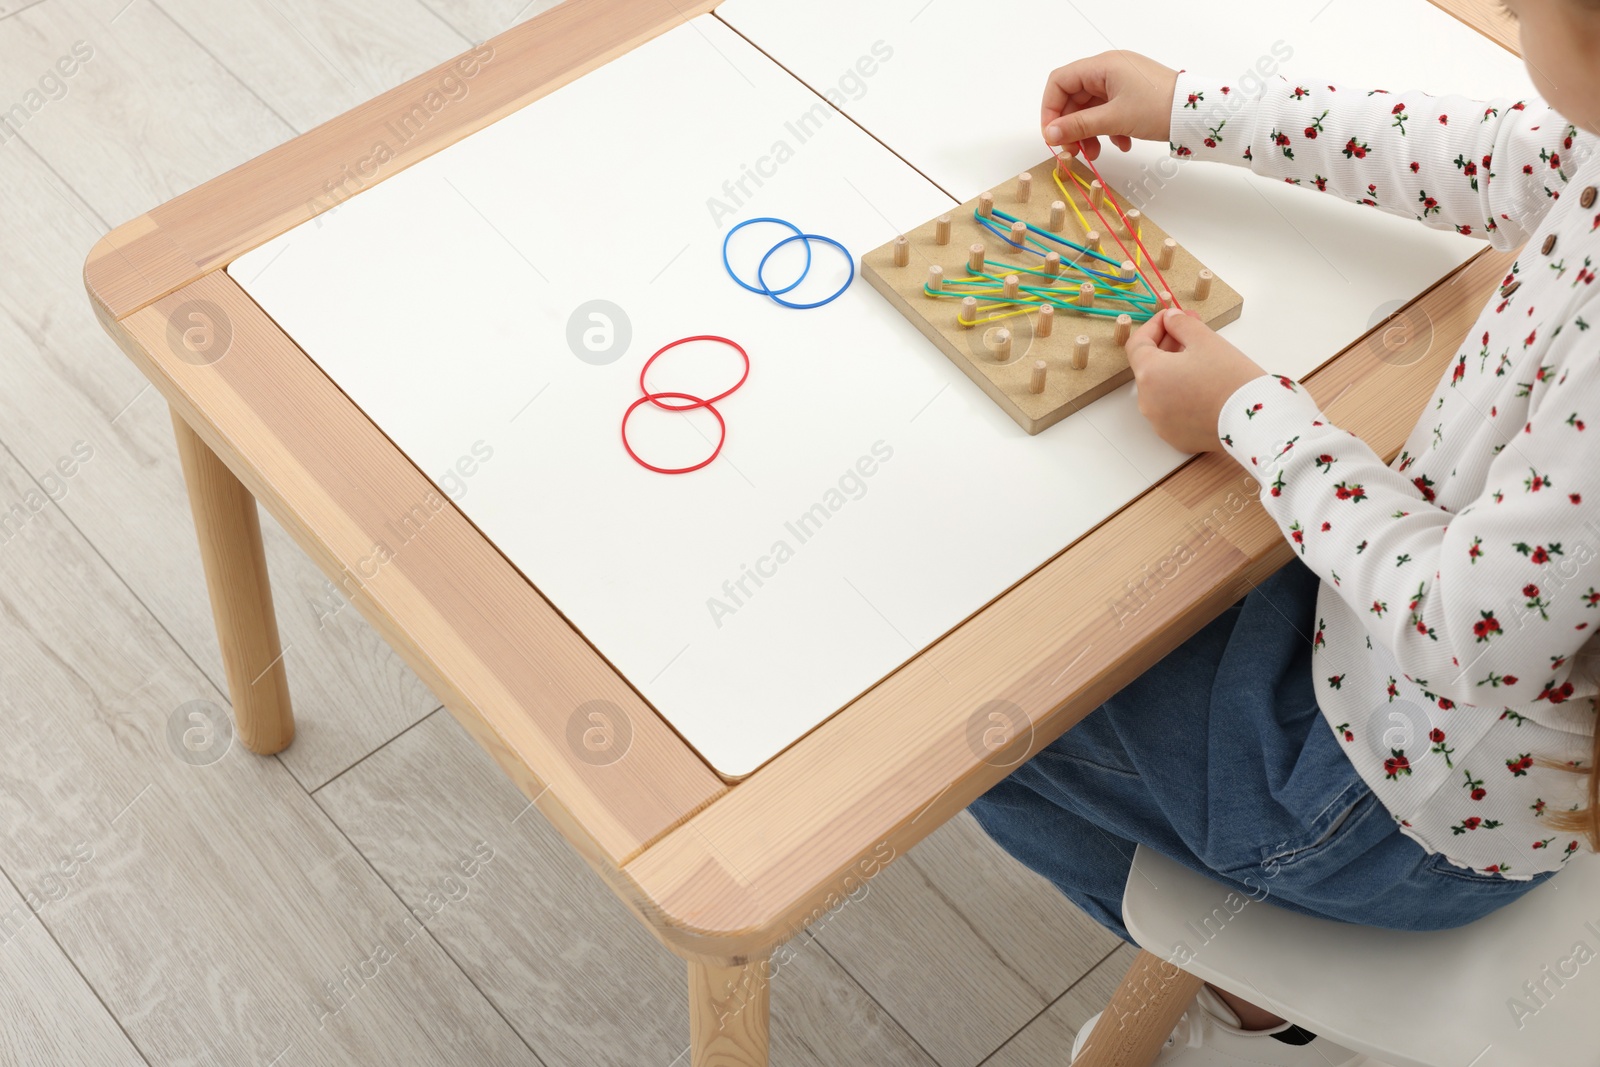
[723, 874]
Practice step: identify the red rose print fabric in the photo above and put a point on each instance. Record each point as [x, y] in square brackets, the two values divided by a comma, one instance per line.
[1460, 579]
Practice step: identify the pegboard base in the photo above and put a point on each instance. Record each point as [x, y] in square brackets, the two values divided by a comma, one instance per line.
[972, 348]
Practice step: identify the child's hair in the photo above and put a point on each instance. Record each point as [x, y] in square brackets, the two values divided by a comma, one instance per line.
[1585, 820]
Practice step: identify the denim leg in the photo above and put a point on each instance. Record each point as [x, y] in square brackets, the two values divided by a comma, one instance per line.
[1218, 757]
[1087, 864]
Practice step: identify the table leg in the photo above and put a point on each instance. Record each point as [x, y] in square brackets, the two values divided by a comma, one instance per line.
[1141, 1015]
[229, 531]
[728, 1014]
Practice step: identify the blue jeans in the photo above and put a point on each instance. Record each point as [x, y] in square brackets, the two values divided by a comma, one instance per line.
[1219, 758]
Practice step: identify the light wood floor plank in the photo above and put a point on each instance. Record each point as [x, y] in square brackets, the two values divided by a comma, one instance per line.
[538, 933]
[1048, 1038]
[146, 112]
[962, 944]
[11, 7]
[222, 918]
[478, 20]
[67, 384]
[48, 1014]
[310, 60]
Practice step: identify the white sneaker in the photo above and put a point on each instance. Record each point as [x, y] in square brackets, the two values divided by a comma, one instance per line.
[1208, 1035]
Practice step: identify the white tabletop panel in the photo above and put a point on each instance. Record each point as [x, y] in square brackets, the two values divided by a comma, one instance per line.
[439, 301]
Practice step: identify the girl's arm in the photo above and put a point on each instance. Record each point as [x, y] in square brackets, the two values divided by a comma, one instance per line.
[1489, 169]
[1486, 601]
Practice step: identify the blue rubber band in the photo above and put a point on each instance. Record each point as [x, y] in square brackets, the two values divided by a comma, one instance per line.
[807, 238]
[763, 290]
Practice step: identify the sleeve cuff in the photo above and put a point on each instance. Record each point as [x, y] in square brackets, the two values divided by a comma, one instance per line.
[1260, 423]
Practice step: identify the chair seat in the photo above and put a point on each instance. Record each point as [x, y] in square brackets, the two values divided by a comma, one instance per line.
[1441, 999]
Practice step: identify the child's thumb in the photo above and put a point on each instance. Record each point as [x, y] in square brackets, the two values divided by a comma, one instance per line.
[1183, 326]
[1081, 125]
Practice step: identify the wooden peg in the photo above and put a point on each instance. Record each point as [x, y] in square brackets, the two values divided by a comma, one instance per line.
[1091, 240]
[975, 259]
[902, 251]
[1002, 345]
[1019, 235]
[1169, 248]
[986, 205]
[1052, 266]
[1202, 284]
[1013, 286]
[1127, 271]
[1080, 352]
[941, 230]
[1166, 299]
[1036, 381]
[1124, 329]
[1086, 295]
[1047, 321]
[1024, 187]
[1097, 193]
[1132, 218]
[936, 278]
[968, 315]
[1058, 215]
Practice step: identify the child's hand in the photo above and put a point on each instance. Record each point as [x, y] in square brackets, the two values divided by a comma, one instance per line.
[1183, 373]
[1120, 94]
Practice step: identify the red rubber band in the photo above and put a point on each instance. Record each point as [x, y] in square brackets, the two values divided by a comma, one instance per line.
[698, 402]
[1165, 288]
[706, 403]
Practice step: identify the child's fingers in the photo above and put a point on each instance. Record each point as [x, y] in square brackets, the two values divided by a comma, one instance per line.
[1076, 83]
[1184, 326]
[1145, 342]
[1086, 124]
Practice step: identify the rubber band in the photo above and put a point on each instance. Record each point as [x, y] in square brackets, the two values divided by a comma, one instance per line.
[763, 291]
[1048, 236]
[1038, 296]
[654, 398]
[1056, 171]
[1132, 257]
[1106, 194]
[645, 389]
[649, 397]
[807, 238]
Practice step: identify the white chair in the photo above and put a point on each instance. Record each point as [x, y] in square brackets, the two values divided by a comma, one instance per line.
[1518, 988]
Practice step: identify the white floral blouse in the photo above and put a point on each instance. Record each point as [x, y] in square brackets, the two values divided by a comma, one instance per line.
[1459, 580]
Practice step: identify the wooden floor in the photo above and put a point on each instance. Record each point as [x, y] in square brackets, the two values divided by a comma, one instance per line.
[138, 923]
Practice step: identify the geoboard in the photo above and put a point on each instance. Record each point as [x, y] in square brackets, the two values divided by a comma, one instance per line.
[1033, 289]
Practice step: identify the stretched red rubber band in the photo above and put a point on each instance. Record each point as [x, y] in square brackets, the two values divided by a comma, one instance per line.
[1165, 288]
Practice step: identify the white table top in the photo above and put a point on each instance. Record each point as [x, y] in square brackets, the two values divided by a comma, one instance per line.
[440, 300]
